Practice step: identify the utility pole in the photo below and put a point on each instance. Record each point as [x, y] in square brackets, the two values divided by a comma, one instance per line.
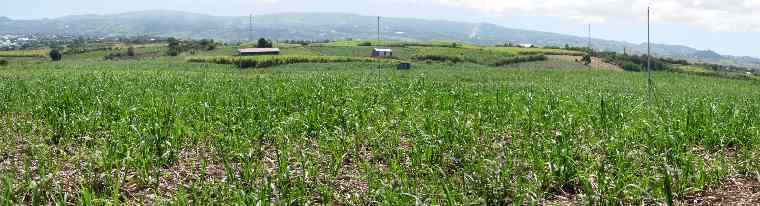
[250, 28]
[649, 55]
[589, 39]
[379, 37]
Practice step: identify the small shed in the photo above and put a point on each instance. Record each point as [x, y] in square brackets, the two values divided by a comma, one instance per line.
[376, 52]
[404, 66]
[258, 51]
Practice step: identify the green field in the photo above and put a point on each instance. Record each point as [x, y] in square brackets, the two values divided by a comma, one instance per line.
[25, 53]
[162, 130]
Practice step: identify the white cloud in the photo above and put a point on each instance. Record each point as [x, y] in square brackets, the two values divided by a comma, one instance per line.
[717, 15]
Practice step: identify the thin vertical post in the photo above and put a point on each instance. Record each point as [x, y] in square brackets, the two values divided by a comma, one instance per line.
[589, 39]
[649, 55]
[379, 37]
[250, 28]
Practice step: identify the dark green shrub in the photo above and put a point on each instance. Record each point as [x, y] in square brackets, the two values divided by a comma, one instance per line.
[175, 48]
[3, 62]
[131, 51]
[264, 43]
[113, 56]
[630, 66]
[586, 59]
[365, 44]
[440, 58]
[520, 59]
[207, 44]
[56, 55]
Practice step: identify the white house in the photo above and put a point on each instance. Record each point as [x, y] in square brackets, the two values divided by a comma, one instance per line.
[377, 52]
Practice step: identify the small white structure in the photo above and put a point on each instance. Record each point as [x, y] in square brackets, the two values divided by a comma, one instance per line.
[258, 51]
[527, 45]
[376, 52]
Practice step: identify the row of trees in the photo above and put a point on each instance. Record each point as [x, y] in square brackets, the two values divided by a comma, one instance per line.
[177, 47]
[627, 61]
[118, 55]
[638, 62]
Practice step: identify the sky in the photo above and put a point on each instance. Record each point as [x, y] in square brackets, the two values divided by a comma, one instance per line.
[726, 26]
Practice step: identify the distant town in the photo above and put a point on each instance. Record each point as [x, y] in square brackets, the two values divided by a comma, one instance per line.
[35, 40]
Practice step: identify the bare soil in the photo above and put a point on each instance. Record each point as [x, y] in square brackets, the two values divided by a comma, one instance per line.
[596, 63]
[735, 191]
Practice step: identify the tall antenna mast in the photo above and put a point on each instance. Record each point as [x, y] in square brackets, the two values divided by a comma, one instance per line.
[589, 38]
[649, 54]
[379, 35]
[250, 28]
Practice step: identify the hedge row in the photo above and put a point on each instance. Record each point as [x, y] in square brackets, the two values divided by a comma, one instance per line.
[272, 60]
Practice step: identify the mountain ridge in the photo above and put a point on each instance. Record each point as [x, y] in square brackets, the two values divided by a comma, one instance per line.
[333, 25]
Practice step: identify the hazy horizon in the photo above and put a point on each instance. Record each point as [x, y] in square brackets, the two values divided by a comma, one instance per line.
[696, 25]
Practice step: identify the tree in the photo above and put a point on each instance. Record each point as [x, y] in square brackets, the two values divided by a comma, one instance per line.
[3, 62]
[55, 55]
[586, 59]
[131, 51]
[174, 47]
[264, 43]
[207, 44]
[78, 46]
[630, 66]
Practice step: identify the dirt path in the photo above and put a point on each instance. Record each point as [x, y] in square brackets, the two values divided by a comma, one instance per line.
[596, 63]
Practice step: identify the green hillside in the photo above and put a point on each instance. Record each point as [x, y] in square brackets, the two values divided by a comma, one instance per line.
[334, 26]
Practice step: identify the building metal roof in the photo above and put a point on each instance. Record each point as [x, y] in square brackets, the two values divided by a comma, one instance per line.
[258, 50]
[382, 50]
[526, 45]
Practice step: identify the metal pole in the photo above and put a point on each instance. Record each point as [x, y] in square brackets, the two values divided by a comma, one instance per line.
[250, 28]
[589, 39]
[649, 56]
[379, 38]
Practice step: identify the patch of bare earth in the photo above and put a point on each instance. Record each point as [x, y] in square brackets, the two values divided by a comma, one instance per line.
[562, 200]
[349, 182]
[193, 165]
[735, 191]
[596, 63]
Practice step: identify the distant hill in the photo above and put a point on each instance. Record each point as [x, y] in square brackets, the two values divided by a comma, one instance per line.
[321, 26]
[708, 55]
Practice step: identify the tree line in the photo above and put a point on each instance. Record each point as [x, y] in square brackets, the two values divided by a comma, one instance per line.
[177, 46]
